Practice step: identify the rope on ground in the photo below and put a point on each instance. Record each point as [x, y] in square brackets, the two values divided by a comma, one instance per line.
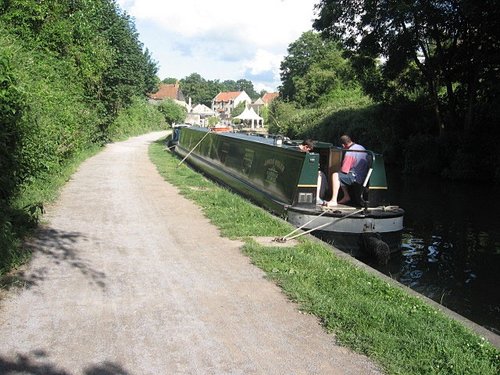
[284, 238]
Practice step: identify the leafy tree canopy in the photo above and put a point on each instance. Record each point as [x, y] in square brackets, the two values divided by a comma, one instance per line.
[313, 68]
[169, 80]
[203, 91]
[173, 112]
[447, 50]
[199, 89]
[238, 110]
[93, 36]
[67, 69]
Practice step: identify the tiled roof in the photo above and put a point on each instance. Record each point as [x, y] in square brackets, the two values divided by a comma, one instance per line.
[227, 96]
[170, 90]
[269, 97]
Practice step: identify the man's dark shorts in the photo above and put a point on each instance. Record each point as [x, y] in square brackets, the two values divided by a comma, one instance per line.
[347, 178]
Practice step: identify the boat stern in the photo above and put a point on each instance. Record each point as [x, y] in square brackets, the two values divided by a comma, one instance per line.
[307, 185]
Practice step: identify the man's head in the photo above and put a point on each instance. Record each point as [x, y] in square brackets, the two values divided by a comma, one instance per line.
[345, 140]
[307, 145]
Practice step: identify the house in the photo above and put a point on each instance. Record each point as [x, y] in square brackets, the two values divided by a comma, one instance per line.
[225, 102]
[169, 91]
[257, 105]
[199, 115]
[269, 97]
[264, 101]
[203, 110]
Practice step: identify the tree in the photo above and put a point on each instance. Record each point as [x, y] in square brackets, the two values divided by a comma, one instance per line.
[238, 110]
[247, 86]
[11, 109]
[203, 91]
[173, 112]
[213, 120]
[95, 37]
[285, 112]
[229, 85]
[302, 53]
[452, 45]
[240, 85]
[312, 69]
[169, 80]
[132, 72]
[199, 89]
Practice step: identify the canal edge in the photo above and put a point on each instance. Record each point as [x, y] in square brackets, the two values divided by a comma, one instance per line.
[492, 337]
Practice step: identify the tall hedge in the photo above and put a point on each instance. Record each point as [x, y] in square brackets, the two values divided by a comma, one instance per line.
[73, 74]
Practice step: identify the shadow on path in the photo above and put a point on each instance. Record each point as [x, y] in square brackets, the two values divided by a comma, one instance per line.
[36, 363]
[58, 247]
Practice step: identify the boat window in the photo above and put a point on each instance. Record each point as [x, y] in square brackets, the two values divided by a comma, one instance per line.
[247, 161]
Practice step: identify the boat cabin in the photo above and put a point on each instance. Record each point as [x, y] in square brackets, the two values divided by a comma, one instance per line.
[371, 192]
[273, 170]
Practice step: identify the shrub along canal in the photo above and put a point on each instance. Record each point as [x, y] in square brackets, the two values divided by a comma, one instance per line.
[451, 245]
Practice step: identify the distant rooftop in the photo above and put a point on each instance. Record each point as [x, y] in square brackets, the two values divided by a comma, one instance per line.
[269, 97]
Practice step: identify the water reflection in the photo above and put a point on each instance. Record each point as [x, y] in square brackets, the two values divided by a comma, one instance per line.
[451, 246]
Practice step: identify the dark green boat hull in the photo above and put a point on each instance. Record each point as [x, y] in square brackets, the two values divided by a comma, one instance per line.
[275, 177]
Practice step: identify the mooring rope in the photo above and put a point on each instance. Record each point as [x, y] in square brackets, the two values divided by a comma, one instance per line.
[284, 239]
[196, 145]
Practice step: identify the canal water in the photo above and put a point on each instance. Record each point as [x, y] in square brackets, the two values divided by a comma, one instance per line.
[451, 245]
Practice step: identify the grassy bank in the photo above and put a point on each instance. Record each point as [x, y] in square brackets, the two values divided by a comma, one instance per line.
[398, 330]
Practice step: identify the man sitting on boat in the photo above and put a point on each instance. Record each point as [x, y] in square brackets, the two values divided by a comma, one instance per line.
[354, 169]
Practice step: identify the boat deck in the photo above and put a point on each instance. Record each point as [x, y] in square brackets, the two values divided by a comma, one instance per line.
[341, 210]
[342, 207]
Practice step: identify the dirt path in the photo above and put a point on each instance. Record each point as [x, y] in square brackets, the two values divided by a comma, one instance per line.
[128, 277]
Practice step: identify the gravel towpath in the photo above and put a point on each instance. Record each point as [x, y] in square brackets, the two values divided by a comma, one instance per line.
[128, 277]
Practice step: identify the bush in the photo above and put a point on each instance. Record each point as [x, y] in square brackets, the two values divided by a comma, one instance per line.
[141, 117]
[11, 109]
[172, 112]
[57, 123]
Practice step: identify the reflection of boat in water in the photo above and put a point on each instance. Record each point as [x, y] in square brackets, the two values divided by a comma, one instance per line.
[276, 175]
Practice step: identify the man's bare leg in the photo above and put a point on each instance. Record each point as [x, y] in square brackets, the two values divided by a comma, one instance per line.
[336, 187]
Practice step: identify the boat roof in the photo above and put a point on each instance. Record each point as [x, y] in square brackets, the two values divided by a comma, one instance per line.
[266, 139]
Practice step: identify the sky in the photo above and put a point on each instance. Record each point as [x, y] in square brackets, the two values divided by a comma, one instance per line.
[221, 39]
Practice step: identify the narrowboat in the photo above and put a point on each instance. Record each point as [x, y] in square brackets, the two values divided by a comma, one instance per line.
[274, 173]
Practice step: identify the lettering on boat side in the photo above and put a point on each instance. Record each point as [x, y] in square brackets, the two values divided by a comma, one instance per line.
[277, 164]
[272, 175]
[274, 168]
